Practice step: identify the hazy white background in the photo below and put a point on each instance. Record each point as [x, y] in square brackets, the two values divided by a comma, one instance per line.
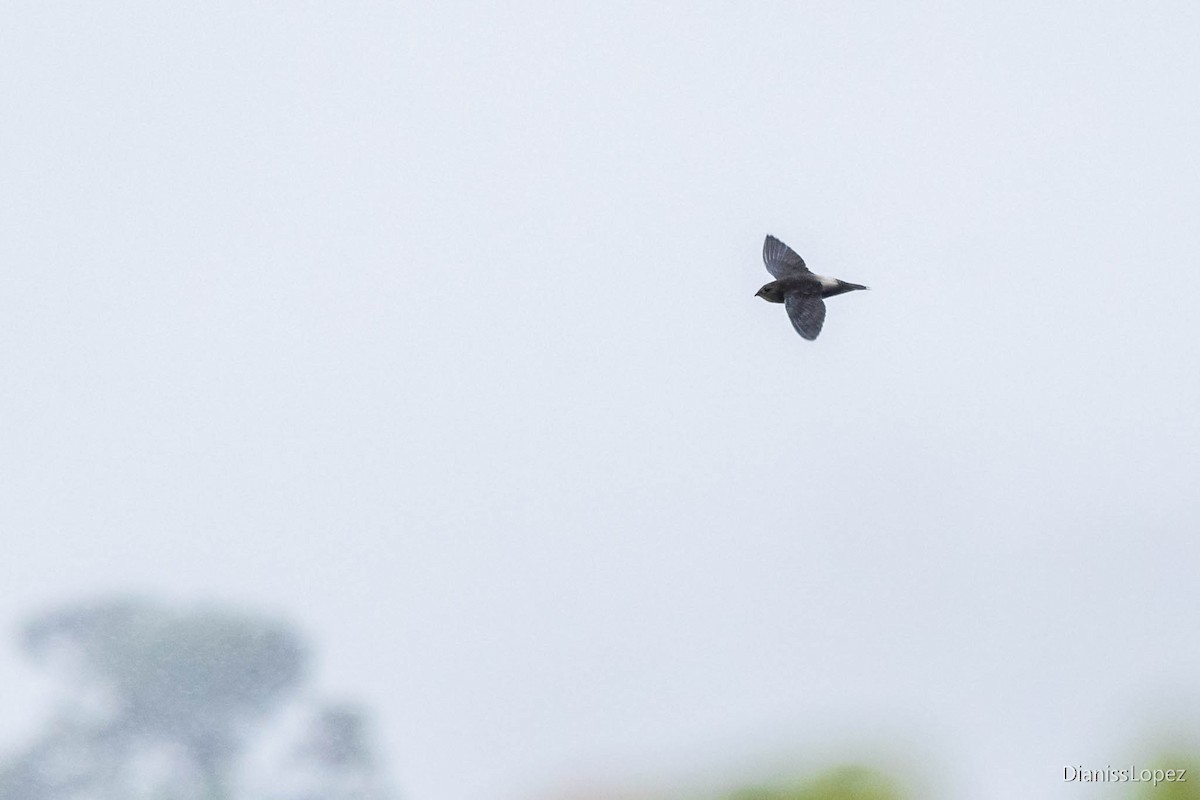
[431, 326]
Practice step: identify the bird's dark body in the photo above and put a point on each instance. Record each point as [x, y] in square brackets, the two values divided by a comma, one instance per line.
[801, 292]
[809, 286]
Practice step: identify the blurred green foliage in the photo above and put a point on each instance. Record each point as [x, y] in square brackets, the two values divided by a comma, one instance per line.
[1188, 789]
[843, 783]
[196, 683]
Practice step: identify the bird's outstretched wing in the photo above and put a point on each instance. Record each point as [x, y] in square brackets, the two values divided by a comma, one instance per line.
[806, 312]
[782, 260]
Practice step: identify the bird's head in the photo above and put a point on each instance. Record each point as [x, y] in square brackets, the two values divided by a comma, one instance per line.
[771, 293]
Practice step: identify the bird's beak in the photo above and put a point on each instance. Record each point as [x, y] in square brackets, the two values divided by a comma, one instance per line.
[758, 293]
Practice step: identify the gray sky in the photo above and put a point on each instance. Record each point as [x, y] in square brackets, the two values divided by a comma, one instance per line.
[432, 326]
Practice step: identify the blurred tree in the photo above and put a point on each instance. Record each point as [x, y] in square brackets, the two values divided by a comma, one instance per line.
[335, 759]
[843, 783]
[1187, 789]
[163, 703]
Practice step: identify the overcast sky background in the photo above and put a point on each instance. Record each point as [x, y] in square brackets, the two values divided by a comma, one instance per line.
[432, 327]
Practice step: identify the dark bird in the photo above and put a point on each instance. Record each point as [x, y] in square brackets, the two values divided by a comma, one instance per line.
[800, 291]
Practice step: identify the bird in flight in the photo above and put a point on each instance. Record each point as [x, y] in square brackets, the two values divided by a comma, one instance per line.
[800, 291]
